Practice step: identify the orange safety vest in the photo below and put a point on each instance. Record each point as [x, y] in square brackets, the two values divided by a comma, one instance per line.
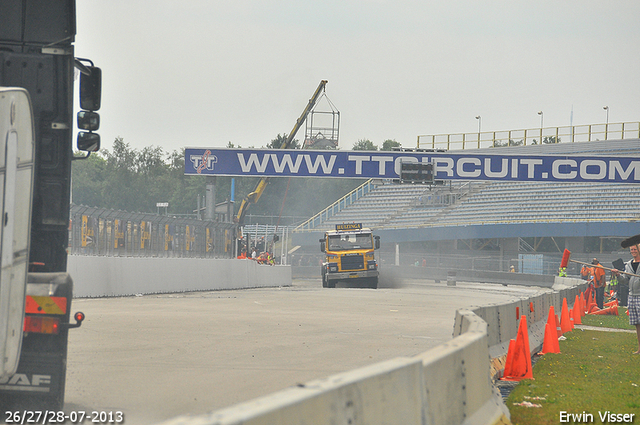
[585, 272]
[598, 277]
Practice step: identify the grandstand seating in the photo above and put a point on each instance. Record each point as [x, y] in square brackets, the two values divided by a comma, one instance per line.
[459, 204]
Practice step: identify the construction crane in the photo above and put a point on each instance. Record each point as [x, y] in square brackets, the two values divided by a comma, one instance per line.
[255, 195]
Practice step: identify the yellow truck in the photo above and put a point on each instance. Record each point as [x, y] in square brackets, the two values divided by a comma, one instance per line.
[349, 256]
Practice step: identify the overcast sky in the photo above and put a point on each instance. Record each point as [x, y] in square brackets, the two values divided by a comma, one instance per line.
[202, 73]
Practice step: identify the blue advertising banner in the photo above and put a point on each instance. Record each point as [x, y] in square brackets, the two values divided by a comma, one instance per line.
[386, 165]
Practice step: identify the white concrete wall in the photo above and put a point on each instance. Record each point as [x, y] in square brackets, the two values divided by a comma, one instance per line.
[120, 276]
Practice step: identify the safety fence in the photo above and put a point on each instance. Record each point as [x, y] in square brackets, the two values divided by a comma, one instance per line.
[101, 231]
[265, 237]
[531, 136]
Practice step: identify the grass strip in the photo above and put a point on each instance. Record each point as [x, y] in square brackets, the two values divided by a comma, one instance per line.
[595, 379]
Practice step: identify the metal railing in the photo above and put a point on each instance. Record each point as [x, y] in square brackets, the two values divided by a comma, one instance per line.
[261, 236]
[101, 231]
[337, 206]
[531, 136]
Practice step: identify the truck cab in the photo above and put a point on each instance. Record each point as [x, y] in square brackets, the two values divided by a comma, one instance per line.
[349, 256]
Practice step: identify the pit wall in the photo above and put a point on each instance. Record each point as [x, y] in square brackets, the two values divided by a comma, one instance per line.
[449, 384]
[95, 276]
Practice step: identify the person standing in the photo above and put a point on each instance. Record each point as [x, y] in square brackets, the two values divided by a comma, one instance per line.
[585, 272]
[598, 282]
[633, 303]
[613, 286]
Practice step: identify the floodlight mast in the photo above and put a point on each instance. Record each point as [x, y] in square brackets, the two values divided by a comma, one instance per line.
[254, 196]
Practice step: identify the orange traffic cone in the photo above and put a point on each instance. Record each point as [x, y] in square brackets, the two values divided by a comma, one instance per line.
[508, 365]
[565, 323]
[583, 304]
[551, 344]
[613, 310]
[551, 318]
[519, 365]
[591, 304]
[576, 312]
[558, 327]
[610, 303]
[571, 318]
[593, 309]
[587, 297]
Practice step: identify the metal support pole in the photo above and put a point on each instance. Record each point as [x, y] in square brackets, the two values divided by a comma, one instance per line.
[210, 198]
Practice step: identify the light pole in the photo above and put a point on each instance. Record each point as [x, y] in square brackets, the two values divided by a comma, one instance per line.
[479, 118]
[541, 124]
[606, 126]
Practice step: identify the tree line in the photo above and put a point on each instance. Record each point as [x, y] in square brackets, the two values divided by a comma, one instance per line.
[124, 178]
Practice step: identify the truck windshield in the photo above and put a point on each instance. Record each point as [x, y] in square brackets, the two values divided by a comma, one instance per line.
[350, 241]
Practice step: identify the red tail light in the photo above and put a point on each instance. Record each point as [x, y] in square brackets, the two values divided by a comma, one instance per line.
[42, 324]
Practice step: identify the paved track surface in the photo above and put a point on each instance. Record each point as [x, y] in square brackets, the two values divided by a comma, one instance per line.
[155, 357]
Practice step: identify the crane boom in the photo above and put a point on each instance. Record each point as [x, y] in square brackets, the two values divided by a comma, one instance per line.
[255, 195]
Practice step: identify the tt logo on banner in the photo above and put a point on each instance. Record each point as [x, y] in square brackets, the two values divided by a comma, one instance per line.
[204, 161]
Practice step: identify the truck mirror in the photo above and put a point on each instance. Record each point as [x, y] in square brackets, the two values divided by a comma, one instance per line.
[88, 142]
[90, 89]
[88, 120]
[377, 243]
[322, 245]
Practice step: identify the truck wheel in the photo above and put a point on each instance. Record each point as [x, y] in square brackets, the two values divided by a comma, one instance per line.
[331, 283]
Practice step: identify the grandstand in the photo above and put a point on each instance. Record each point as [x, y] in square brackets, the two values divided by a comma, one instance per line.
[505, 210]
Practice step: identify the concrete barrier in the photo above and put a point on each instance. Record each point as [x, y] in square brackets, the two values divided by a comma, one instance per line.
[95, 276]
[502, 320]
[392, 272]
[388, 392]
[457, 385]
[449, 384]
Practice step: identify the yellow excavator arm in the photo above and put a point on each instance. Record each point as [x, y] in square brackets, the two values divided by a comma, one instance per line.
[254, 196]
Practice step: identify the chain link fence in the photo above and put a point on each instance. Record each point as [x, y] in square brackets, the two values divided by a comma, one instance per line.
[101, 231]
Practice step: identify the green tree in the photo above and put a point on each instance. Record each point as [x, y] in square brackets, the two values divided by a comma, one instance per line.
[364, 145]
[389, 144]
[88, 180]
[279, 140]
